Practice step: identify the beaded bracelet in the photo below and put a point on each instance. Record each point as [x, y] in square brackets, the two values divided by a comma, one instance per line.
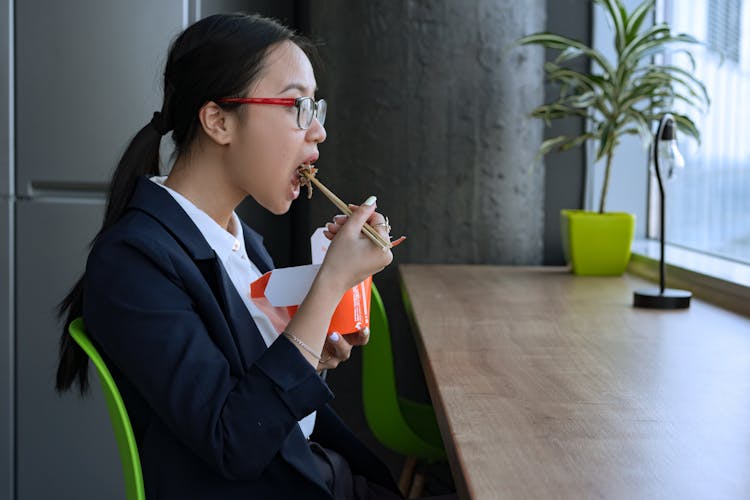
[299, 342]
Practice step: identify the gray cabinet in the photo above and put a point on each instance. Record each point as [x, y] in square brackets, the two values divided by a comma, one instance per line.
[6, 351]
[6, 265]
[88, 76]
[65, 445]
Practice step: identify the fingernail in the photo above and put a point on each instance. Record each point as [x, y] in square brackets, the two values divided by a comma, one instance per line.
[366, 331]
[369, 201]
[335, 337]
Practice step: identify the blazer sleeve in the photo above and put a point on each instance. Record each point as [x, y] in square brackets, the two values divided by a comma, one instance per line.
[137, 309]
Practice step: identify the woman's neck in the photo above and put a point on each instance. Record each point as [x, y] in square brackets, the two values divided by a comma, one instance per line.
[201, 180]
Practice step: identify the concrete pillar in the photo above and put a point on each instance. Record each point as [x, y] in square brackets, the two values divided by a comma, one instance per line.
[428, 110]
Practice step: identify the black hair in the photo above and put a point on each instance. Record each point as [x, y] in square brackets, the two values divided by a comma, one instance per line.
[216, 57]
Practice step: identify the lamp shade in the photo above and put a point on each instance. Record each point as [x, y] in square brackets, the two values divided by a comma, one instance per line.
[670, 158]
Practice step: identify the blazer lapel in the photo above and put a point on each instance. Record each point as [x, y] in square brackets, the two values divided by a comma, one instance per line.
[244, 330]
[246, 343]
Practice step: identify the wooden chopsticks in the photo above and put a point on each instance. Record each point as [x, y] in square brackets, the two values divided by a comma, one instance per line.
[367, 229]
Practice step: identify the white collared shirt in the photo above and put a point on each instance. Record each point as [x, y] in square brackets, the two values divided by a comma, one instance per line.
[230, 248]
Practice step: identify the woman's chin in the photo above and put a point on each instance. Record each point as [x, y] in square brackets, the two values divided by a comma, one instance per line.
[280, 208]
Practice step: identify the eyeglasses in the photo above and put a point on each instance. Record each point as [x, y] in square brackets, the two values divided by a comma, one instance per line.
[307, 107]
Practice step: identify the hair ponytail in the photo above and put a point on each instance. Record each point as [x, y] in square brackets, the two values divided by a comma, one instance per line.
[140, 158]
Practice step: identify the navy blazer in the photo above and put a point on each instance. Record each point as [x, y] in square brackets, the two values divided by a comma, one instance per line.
[214, 410]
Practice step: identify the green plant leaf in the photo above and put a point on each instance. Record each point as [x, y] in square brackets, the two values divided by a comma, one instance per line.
[553, 111]
[576, 142]
[635, 21]
[658, 69]
[615, 15]
[653, 34]
[567, 74]
[686, 52]
[607, 139]
[691, 102]
[685, 124]
[584, 100]
[642, 127]
[550, 144]
[637, 97]
[569, 54]
[552, 41]
[653, 46]
[689, 80]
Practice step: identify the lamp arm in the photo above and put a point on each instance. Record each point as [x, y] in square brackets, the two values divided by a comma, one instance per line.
[662, 123]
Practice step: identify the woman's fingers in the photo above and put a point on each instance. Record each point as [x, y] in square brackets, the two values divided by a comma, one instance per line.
[376, 220]
[360, 214]
[360, 337]
[335, 350]
[380, 223]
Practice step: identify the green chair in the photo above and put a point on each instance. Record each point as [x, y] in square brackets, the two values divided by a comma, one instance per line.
[404, 426]
[131, 462]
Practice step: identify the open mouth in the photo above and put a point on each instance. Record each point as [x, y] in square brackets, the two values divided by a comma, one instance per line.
[304, 173]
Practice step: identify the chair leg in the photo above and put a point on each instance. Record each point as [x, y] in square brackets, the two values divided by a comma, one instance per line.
[417, 486]
[407, 472]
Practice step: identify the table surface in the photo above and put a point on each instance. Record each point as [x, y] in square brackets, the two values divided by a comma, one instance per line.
[549, 385]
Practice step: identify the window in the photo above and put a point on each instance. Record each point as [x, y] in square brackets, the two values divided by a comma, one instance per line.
[708, 203]
[723, 30]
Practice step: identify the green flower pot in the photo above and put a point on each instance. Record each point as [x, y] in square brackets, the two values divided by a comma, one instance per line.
[597, 244]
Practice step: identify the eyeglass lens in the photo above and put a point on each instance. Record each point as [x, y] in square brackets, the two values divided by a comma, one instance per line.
[309, 109]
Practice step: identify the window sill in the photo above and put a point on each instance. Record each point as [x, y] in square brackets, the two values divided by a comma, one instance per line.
[723, 282]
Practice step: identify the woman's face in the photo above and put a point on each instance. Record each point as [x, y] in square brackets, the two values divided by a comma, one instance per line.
[268, 146]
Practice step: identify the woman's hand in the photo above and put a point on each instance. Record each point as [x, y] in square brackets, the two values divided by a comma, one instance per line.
[338, 348]
[352, 257]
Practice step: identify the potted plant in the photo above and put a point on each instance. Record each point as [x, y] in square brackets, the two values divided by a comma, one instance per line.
[617, 98]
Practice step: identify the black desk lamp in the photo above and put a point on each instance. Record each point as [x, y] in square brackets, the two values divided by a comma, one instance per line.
[665, 149]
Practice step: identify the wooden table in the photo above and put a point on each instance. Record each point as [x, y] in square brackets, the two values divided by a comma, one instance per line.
[548, 385]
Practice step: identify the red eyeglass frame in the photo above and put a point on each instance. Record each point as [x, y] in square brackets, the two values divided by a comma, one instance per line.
[281, 101]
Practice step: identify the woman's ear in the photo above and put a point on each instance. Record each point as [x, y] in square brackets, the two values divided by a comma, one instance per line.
[216, 123]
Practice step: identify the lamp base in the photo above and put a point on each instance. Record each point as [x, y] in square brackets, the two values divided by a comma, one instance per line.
[669, 299]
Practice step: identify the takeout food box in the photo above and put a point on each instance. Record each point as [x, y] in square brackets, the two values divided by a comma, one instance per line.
[278, 293]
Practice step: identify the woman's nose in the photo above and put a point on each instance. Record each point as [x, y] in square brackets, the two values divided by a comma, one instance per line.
[317, 132]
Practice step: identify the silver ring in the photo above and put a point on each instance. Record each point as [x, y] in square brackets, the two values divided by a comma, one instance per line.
[385, 224]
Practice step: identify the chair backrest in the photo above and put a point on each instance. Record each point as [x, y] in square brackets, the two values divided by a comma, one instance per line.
[383, 410]
[131, 462]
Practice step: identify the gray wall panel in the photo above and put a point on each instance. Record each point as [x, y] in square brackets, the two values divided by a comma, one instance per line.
[6, 352]
[66, 447]
[7, 449]
[282, 10]
[5, 103]
[88, 77]
[564, 172]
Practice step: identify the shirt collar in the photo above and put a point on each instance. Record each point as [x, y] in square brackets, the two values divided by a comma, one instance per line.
[219, 239]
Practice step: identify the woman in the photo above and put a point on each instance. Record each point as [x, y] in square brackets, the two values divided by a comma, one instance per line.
[221, 405]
